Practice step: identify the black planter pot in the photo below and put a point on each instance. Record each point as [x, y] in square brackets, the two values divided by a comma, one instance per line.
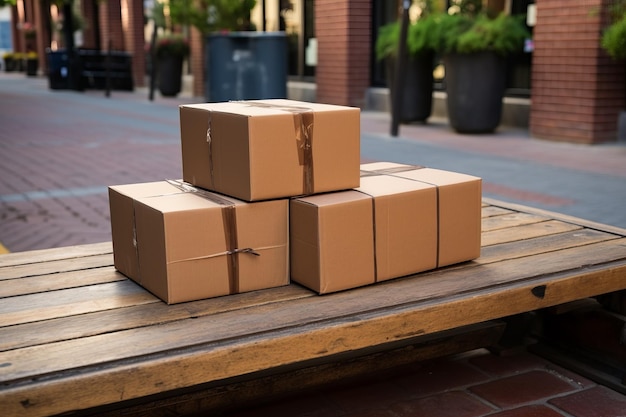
[170, 71]
[475, 86]
[417, 87]
[9, 65]
[32, 66]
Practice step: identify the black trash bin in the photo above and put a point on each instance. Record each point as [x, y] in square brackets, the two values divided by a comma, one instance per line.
[58, 70]
[246, 66]
[64, 72]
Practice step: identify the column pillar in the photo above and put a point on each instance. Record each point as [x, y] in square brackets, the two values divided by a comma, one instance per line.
[577, 89]
[343, 31]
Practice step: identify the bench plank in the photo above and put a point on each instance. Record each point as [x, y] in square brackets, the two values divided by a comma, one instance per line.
[47, 255]
[99, 322]
[56, 266]
[72, 301]
[490, 211]
[526, 232]
[63, 280]
[148, 314]
[542, 244]
[294, 314]
[513, 219]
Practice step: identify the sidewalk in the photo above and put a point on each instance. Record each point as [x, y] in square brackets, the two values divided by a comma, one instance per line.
[59, 150]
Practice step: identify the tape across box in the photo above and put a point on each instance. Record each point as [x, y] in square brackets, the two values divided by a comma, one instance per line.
[401, 220]
[185, 244]
[265, 149]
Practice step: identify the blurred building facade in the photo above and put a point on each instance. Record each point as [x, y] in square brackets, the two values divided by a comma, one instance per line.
[571, 89]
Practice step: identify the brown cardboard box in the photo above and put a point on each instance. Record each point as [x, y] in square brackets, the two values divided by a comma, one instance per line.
[460, 204]
[263, 149]
[185, 245]
[385, 229]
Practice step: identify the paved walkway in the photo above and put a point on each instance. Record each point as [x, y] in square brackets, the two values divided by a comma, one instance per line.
[59, 150]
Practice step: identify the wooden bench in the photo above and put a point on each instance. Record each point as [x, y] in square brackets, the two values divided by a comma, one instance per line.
[77, 335]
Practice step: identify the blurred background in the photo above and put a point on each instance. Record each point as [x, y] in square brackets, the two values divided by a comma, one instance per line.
[560, 80]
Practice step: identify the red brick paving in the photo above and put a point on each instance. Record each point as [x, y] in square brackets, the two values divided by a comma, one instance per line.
[529, 411]
[446, 404]
[435, 377]
[527, 387]
[474, 384]
[594, 402]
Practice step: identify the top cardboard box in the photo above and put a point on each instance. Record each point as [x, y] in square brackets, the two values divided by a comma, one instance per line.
[265, 149]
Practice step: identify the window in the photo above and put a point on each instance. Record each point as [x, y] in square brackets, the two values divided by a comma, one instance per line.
[5, 35]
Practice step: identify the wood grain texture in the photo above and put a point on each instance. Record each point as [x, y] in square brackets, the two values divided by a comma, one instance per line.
[75, 334]
[47, 255]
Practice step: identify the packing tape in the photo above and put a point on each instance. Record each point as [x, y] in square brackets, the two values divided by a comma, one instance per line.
[229, 219]
[395, 170]
[389, 171]
[303, 127]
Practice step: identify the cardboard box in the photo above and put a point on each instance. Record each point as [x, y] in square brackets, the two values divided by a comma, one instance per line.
[402, 220]
[185, 245]
[385, 229]
[264, 149]
[460, 202]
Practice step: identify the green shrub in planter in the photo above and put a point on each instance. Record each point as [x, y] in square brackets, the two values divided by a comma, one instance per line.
[614, 38]
[473, 45]
[417, 86]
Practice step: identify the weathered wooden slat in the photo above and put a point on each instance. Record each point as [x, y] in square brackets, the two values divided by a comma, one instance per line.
[293, 314]
[510, 220]
[63, 265]
[267, 350]
[47, 255]
[107, 321]
[490, 211]
[99, 322]
[557, 216]
[542, 244]
[143, 315]
[73, 301]
[63, 280]
[528, 231]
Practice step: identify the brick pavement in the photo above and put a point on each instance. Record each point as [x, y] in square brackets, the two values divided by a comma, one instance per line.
[473, 384]
[59, 150]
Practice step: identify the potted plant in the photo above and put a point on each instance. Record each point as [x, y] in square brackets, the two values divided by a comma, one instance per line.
[474, 45]
[32, 64]
[9, 61]
[614, 37]
[613, 41]
[418, 81]
[171, 50]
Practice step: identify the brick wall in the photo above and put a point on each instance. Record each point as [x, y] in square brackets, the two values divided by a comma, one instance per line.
[577, 90]
[111, 25]
[196, 62]
[89, 31]
[129, 38]
[135, 41]
[343, 31]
